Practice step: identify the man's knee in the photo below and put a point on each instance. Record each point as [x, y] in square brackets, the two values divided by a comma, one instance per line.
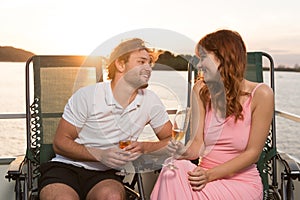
[58, 191]
[107, 189]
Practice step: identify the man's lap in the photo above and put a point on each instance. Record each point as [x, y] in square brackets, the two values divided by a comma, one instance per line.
[78, 178]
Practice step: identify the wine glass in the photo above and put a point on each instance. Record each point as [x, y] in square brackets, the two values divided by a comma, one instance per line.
[180, 125]
[122, 144]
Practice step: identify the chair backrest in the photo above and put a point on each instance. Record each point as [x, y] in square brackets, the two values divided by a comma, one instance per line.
[266, 164]
[254, 70]
[55, 79]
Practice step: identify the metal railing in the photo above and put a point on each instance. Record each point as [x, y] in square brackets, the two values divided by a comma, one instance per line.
[23, 115]
[279, 113]
[287, 115]
[12, 116]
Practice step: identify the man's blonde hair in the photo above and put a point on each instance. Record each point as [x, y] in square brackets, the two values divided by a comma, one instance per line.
[123, 51]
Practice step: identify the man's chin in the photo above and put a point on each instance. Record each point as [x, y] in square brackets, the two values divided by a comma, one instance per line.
[144, 86]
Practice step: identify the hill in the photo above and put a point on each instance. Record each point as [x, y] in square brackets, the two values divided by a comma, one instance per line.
[11, 54]
[167, 61]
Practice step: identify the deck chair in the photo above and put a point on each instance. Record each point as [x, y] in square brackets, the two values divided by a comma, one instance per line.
[271, 163]
[55, 78]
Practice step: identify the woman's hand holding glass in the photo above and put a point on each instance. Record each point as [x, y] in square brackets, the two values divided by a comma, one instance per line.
[176, 148]
[180, 126]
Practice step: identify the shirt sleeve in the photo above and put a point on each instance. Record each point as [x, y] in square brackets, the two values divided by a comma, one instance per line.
[158, 113]
[76, 110]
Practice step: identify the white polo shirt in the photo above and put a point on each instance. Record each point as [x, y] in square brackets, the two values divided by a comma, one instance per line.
[103, 121]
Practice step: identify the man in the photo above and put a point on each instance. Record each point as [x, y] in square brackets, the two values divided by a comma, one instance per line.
[94, 120]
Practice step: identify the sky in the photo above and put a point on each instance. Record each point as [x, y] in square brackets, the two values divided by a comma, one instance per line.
[79, 27]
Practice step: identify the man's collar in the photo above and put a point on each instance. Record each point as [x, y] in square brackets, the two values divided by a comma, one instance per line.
[110, 100]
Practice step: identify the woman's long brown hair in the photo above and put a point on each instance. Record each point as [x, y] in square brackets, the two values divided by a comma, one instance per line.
[229, 48]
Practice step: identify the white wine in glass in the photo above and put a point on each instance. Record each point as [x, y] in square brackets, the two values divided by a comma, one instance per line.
[180, 126]
[177, 134]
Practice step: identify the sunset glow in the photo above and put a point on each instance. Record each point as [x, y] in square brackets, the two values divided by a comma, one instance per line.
[70, 27]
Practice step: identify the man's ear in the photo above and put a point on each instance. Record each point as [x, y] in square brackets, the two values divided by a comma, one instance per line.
[120, 65]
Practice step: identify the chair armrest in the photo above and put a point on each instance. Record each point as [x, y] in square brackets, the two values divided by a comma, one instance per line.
[292, 168]
[15, 168]
[131, 194]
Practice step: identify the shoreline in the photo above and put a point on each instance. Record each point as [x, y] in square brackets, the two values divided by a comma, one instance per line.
[283, 69]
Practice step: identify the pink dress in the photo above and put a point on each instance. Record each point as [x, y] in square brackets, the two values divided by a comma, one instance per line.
[222, 143]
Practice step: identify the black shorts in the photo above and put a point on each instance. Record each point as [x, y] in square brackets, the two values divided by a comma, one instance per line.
[80, 179]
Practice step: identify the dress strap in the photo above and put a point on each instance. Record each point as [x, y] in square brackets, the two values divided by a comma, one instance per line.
[257, 86]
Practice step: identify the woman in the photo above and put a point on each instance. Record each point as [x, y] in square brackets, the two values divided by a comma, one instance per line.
[231, 117]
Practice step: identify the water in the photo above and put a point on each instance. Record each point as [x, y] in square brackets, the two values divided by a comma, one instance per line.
[171, 88]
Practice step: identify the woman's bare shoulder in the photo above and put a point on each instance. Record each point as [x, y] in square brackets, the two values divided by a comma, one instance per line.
[262, 95]
[258, 89]
[263, 90]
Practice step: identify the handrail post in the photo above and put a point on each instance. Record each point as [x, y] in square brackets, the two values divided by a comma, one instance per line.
[28, 117]
[274, 142]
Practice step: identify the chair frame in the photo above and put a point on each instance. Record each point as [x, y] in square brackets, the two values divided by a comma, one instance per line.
[270, 158]
[21, 170]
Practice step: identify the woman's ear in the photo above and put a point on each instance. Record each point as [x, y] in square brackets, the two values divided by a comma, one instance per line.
[120, 65]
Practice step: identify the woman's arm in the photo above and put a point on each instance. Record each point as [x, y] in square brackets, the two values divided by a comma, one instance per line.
[195, 144]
